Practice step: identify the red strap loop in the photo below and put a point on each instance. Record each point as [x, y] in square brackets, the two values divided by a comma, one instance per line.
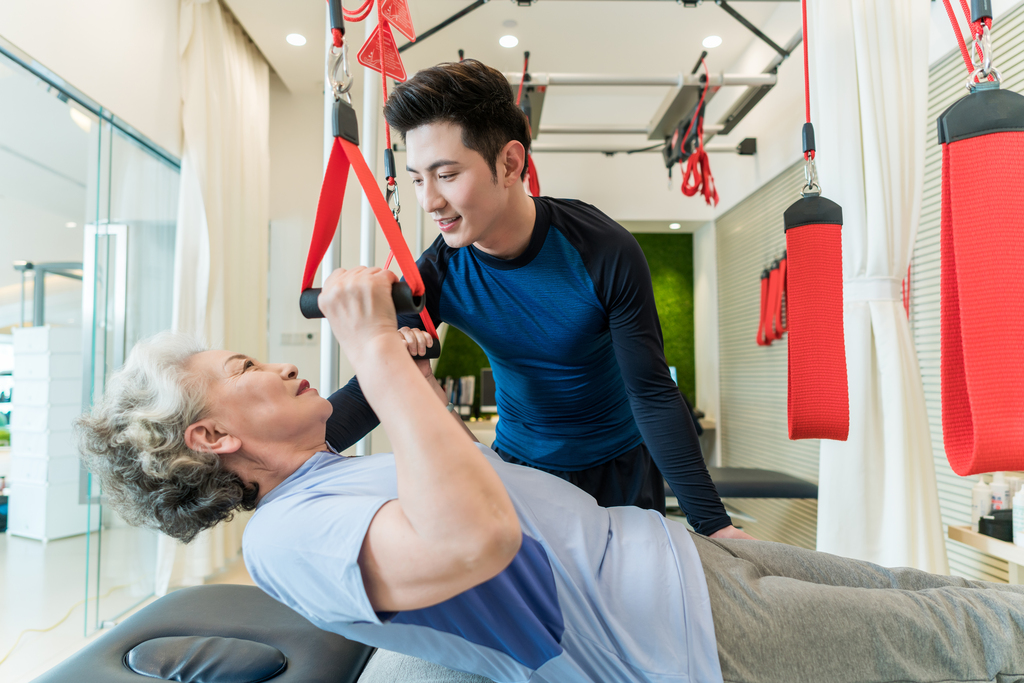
[344, 155]
[762, 338]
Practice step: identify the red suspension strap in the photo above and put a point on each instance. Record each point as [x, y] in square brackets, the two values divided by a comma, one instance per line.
[780, 294]
[762, 336]
[344, 155]
[697, 172]
[531, 169]
[819, 405]
[982, 249]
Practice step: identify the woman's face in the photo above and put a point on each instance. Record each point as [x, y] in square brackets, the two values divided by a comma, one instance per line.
[261, 404]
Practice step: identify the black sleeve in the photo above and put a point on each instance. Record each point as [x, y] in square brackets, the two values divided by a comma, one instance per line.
[619, 270]
[353, 418]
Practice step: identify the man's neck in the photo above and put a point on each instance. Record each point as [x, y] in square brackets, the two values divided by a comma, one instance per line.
[512, 236]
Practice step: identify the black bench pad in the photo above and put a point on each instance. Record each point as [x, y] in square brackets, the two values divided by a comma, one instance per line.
[242, 612]
[749, 482]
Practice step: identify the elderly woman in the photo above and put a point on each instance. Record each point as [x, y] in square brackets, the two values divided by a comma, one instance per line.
[445, 552]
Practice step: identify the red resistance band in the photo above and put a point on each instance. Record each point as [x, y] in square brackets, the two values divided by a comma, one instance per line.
[531, 169]
[697, 172]
[345, 153]
[777, 318]
[819, 405]
[773, 288]
[762, 337]
[982, 283]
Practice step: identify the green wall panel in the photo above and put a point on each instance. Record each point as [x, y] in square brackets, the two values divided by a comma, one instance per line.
[670, 257]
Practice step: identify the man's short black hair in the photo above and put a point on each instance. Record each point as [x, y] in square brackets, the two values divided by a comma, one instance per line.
[468, 94]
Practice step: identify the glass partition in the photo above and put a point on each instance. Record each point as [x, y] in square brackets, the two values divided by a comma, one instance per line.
[87, 229]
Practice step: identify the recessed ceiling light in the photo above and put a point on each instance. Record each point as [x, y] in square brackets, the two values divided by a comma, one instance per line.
[712, 41]
[296, 39]
[71, 224]
[674, 226]
[508, 41]
[81, 120]
[510, 23]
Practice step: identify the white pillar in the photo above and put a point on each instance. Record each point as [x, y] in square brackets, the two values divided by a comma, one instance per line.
[330, 352]
[367, 224]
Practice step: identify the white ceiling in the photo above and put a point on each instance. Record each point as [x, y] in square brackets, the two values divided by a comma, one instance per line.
[579, 36]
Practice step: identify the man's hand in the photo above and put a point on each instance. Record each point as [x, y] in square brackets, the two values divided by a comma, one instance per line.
[732, 532]
[358, 305]
[417, 340]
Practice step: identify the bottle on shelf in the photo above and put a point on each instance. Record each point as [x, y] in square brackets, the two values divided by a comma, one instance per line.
[1000, 492]
[981, 502]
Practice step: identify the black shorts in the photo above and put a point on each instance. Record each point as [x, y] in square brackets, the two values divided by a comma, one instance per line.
[628, 479]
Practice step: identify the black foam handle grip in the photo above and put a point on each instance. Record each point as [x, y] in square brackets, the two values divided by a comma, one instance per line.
[981, 9]
[401, 295]
[808, 136]
[337, 16]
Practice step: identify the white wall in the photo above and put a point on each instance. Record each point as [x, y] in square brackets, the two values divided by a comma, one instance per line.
[705, 325]
[121, 53]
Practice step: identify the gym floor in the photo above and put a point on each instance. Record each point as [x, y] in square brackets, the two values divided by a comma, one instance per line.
[41, 583]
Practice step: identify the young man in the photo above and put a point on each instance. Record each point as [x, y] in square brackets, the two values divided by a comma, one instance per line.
[558, 295]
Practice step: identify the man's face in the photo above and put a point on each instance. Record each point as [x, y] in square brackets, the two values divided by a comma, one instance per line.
[261, 403]
[454, 184]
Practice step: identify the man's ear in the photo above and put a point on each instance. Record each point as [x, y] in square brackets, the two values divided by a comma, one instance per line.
[513, 157]
[206, 436]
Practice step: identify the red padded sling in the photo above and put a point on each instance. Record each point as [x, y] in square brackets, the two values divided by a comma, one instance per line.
[819, 406]
[818, 403]
[982, 248]
[762, 337]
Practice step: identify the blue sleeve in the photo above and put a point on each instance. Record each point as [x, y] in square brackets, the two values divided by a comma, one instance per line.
[353, 418]
[622, 279]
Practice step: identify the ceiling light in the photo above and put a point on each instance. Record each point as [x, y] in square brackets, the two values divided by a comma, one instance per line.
[81, 120]
[508, 41]
[712, 41]
[296, 39]
[71, 224]
[510, 23]
[674, 226]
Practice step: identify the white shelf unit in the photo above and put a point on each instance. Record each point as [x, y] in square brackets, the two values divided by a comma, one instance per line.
[44, 466]
[1012, 553]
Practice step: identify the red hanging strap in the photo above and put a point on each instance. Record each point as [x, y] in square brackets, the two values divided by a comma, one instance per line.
[773, 294]
[697, 172]
[780, 293]
[982, 249]
[818, 392]
[345, 154]
[762, 337]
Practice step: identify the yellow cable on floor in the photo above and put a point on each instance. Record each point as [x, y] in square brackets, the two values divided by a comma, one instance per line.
[63, 619]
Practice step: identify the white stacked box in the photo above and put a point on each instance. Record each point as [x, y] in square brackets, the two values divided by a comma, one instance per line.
[44, 487]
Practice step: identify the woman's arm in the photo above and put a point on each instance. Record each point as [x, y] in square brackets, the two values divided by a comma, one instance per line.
[453, 525]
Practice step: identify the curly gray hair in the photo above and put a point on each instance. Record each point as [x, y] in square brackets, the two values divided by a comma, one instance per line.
[134, 440]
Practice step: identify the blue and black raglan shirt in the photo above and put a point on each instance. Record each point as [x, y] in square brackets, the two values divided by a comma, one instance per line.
[572, 334]
[594, 595]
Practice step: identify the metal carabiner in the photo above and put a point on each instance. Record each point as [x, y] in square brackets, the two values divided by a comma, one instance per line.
[392, 193]
[982, 65]
[337, 58]
[811, 187]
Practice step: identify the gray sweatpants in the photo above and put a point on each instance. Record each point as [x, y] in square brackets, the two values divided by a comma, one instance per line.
[789, 615]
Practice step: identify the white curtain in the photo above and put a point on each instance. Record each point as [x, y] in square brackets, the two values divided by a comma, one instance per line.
[221, 248]
[877, 496]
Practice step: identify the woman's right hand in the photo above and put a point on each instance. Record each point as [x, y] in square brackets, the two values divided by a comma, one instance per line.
[358, 305]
